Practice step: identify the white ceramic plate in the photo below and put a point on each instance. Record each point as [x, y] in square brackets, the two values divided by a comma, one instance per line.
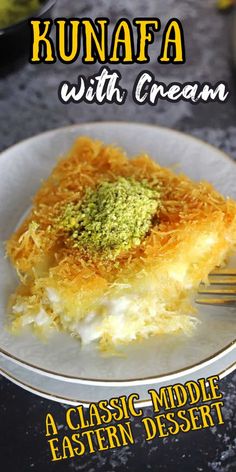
[72, 393]
[22, 168]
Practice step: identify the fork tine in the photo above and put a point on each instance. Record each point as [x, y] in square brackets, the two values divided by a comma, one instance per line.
[227, 294]
[216, 301]
[228, 271]
[217, 291]
[217, 280]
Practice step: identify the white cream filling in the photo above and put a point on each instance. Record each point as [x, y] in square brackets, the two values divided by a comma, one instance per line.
[123, 317]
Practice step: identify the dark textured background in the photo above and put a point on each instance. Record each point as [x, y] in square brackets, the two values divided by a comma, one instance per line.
[29, 105]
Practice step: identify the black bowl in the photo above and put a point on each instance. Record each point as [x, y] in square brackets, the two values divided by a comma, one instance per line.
[15, 39]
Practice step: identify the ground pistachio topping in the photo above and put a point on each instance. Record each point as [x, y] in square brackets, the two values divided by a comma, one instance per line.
[112, 218]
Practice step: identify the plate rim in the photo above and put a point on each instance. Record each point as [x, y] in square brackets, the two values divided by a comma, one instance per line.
[119, 122]
[130, 381]
[68, 401]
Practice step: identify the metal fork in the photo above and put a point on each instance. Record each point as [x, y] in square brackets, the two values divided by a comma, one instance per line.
[223, 296]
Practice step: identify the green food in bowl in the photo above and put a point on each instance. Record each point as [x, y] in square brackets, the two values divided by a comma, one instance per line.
[13, 11]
